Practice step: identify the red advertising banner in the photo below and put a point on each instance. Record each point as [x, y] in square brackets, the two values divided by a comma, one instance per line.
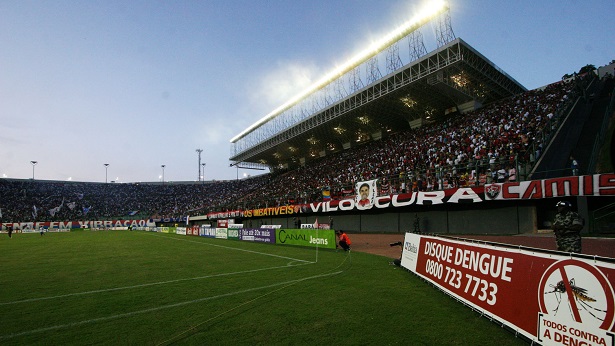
[548, 298]
[194, 230]
[586, 185]
[67, 225]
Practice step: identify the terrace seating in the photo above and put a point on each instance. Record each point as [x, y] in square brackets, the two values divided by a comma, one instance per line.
[464, 150]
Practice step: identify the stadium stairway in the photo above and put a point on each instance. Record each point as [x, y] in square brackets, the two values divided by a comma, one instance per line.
[577, 133]
[585, 146]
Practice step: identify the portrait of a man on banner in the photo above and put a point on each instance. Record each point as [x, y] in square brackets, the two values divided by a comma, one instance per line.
[365, 192]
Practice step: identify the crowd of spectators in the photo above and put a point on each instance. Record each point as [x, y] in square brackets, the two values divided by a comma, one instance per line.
[31, 200]
[489, 144]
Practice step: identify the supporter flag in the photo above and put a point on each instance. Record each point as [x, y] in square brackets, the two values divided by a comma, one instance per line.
[71, 205]
[53, 211]
[385, 188]
[0, 213]
[86, 210]
[366, 192]
[133, 213]
[34, 211]
[326, 193]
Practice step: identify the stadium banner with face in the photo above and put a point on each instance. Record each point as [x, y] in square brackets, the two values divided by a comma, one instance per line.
[548, 298]
[365, 194]
[589, 185]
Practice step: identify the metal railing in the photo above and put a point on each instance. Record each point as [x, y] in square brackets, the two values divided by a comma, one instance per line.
[603, 219]
[601, 134]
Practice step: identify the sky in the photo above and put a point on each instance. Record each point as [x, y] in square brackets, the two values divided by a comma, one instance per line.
[143, 83]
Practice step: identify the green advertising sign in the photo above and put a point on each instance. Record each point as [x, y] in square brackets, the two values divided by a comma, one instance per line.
[233, 233]
[323, 238]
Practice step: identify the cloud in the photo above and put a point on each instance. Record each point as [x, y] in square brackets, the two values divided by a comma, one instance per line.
[281, 84]
[215, 132]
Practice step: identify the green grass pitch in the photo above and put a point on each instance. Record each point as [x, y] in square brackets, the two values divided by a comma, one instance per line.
[141, 288]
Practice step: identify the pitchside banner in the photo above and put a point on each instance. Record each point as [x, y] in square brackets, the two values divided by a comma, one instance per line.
[67, 225]
[550, 299]
[221, 233]
[207, 231]
[259, 235]
[306, 237]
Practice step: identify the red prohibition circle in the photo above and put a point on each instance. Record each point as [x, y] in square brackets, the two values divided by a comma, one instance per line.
[606, 286]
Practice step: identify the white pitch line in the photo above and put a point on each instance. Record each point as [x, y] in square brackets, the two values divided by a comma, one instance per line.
[145, 285]
[133, 313]
[233, 248]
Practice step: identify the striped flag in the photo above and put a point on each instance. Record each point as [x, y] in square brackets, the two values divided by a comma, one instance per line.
[326, 193]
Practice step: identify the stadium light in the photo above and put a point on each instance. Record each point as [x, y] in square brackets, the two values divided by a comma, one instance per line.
[162, 173]
[430, 10]
[203, 176]
[106, 166]
[199, 151]
[33, 164]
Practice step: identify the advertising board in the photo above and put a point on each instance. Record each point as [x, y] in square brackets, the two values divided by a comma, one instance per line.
[259, 235]
[306, 237]
[549, 298]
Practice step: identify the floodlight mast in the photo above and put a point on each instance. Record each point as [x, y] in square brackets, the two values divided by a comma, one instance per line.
[432, 9]
[199, 151]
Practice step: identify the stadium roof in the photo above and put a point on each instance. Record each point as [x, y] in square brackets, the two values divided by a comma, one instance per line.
[452, 77]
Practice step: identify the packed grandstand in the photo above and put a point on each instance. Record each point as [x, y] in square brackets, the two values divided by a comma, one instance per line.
[446, 121]
[464, 150]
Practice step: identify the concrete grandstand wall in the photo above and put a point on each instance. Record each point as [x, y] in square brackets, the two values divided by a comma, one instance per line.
[510, 219]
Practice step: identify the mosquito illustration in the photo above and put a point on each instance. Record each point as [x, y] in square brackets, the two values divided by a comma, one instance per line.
[580, 295]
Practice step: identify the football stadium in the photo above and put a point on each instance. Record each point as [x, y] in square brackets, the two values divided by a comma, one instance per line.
[408, 197]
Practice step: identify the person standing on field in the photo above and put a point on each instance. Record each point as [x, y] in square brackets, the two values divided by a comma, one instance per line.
[567, 228]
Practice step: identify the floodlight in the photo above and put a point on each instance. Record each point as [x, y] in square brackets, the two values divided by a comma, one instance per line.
[431, 9]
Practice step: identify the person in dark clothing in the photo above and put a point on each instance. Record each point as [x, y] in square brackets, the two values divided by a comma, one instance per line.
[567, 227]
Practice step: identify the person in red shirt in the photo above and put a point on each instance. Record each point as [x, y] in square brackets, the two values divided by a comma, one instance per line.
[344, 241]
